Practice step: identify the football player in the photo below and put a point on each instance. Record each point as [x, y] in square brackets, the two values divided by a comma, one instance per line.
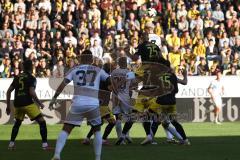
[105, 111]
[26, 102]
[122, 81]
[85, 103]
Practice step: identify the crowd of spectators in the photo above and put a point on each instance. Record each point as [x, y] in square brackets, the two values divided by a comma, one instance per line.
[199, 35]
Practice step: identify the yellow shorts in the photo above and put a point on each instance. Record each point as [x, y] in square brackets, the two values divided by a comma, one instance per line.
[153, 106]
[146, 103]
[169, 109]
[104, 110]
[140, 103]
[31, 110]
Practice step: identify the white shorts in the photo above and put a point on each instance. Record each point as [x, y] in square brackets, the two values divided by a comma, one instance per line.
[91, 113]
[217, 101]
[121, 105]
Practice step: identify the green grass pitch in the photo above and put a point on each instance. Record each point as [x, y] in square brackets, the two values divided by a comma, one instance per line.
[209, 142]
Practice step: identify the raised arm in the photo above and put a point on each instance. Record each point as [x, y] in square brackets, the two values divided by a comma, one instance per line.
[184, 80]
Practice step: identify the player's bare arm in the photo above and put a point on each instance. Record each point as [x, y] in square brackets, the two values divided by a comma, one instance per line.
[210, 92]
[59, 90]
[9, 91]
[184, 80]
[35, 98]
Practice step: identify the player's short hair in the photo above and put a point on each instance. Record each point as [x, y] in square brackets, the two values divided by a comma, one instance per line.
[122, 62]
[27, 65]
[86, 57]
[145, 36]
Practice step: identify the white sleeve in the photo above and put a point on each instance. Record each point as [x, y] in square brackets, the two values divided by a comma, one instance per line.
[69, 75]
[211, 85]
[103, 75]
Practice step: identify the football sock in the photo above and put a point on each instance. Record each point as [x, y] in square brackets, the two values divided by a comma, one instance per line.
[127, 127]
[97, 144]
[147, 127]
[174, 132]
[180, 129]
[90, 133]
[108, 130]
[168, 134]
[118, 127]
[154, 128]
[15, 130]
[43, 131]
[60, 143]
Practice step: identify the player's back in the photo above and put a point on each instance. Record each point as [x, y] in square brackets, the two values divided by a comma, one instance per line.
[122, 79]
[169, 79]
[149, 52]
[22, 84]
[86, 80]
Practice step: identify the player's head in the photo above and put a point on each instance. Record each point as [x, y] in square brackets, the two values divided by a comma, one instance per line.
[86, 57]
[27, 66]
[145, 37]
[122, 62]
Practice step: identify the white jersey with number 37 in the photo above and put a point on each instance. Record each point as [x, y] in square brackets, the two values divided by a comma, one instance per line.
[86, 80]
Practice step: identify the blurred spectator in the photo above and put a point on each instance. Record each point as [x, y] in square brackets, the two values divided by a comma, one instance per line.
[31, 50]
[122, 41]
[97, 50]
[212, 52]
[200, 49]
[218, 15]
[192, 68]
[6, 67]
[4, 49]
[43, 70]
[233, 71]
[70, 39]
[108, 44]
[5, 29]
[202, 68]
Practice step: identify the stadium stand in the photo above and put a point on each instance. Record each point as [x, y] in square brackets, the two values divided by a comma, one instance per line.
[53, 33]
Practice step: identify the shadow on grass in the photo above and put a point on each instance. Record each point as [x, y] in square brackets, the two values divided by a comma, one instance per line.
[202, 148]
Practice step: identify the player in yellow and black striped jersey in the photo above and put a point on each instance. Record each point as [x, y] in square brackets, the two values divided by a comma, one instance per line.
[25, 96]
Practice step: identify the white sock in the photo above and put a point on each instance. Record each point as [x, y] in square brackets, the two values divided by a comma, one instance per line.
[168, 134]
[118, 127]
[174, 132]
[11, 144]
[149, 137]
[216, 119]
[60, 143]
[44, 144]
[97, 144]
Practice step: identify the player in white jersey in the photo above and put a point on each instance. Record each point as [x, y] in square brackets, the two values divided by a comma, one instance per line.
[85, 103]
[122, 81]
[216, 90]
